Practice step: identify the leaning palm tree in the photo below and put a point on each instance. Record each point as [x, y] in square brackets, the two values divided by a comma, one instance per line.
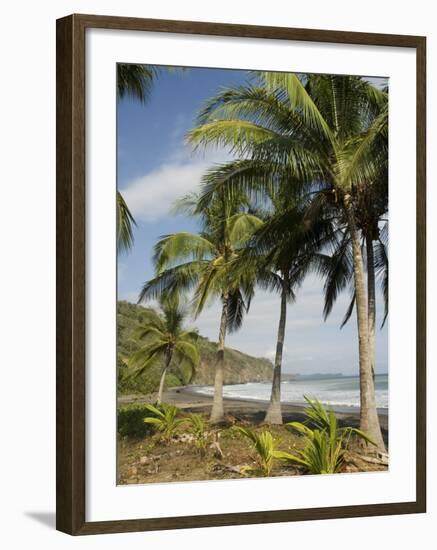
[165, 341]
[205, 264]
[321, 130]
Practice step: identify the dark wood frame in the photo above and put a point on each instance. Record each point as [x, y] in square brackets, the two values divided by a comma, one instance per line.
[70, 298]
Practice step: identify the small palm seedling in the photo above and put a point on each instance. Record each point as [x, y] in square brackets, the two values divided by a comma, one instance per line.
[164, 419]
[197, 427]
[264, 446]
[325, 442]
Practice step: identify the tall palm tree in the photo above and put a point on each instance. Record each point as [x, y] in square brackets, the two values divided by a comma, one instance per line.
[321, 130]
[165, 341]
[205, 264]
[337, 268]
[280, 253]
[372, 206]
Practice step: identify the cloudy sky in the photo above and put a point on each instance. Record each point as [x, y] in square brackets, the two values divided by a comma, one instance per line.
[155, 168]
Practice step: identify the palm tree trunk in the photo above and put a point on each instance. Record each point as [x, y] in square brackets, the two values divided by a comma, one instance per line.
[163, 375]
[217, 411]
[369, 421]
[274, 413]
[371, 300]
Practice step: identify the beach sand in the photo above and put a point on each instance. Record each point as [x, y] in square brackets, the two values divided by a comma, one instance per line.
[253, 411]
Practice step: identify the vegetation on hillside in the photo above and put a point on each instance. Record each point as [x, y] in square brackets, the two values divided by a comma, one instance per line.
[239, 367]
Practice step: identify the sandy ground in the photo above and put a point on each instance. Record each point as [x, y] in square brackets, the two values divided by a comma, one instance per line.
[187, 399]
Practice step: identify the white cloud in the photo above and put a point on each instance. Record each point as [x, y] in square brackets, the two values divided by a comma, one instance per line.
[151, 196]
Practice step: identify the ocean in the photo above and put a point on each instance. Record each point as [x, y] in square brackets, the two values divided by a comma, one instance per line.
[340, 392]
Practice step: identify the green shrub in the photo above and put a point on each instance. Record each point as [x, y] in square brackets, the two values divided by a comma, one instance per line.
[197, 426]
[164, 419]
[264, 445]
[130, 421]
[325, 442]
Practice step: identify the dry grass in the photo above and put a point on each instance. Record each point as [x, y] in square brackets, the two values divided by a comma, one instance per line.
[150, 460]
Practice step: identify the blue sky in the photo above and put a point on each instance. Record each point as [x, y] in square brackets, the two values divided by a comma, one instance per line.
[155, 167]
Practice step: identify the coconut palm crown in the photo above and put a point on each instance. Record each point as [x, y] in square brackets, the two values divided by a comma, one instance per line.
[165, 341]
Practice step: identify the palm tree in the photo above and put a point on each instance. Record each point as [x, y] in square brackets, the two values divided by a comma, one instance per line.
[321, 130]
[205, 264]
[371, 207]
[281, 252]
[165, 342]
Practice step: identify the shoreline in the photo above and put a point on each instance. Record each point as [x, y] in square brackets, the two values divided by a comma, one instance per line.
[186, 398]
[341, 409]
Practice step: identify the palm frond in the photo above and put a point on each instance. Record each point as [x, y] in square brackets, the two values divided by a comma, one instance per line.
[125, 223]
[241, 227]
[382, 269]
[299, 99]
[349, 311]
[181, 277]
[177, 247]
[239, 136]
[135, 80]
[338, 272]
[147, 357]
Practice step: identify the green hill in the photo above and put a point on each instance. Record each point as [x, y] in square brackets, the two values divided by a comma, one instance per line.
[239, 367]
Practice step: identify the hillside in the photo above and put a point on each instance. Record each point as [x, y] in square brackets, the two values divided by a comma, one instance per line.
[239, 367]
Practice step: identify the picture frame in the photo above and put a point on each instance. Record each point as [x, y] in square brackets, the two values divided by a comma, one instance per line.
[71, 204]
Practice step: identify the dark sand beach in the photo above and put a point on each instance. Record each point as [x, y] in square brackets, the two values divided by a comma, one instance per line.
[253, 411]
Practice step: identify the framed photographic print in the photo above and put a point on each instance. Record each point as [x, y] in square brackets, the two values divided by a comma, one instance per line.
[231, 200]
